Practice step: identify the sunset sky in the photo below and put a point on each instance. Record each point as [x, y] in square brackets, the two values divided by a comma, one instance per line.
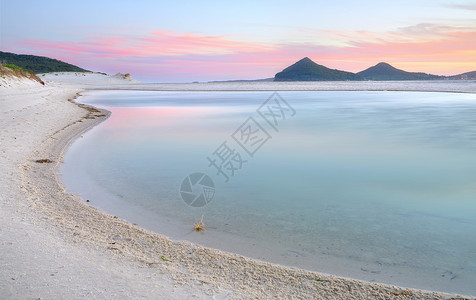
[180, 41]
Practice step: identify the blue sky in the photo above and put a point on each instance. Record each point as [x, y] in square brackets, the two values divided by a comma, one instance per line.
[214, 40]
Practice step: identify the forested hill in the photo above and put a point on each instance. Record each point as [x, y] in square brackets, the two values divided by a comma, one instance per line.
[384, 71]
[38, 64]
[307, 70]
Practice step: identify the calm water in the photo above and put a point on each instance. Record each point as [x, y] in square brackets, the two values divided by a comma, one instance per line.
[379, 186]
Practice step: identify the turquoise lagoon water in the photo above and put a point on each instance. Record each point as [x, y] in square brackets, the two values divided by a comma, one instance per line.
[379, 186]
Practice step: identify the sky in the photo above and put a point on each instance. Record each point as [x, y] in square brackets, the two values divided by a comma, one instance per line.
[184, 41]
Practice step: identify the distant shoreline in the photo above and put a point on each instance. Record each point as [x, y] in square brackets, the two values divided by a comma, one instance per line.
[96, 81]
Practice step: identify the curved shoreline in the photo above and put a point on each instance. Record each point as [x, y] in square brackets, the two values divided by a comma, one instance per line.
[186, 263]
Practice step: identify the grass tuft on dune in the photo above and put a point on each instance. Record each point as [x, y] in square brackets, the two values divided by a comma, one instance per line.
[8, 70]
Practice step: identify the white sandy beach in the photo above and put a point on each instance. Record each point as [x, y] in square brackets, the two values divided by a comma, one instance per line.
[55, 246]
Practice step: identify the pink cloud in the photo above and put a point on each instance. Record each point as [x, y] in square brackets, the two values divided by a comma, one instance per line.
[168, 56]
[155, 44]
